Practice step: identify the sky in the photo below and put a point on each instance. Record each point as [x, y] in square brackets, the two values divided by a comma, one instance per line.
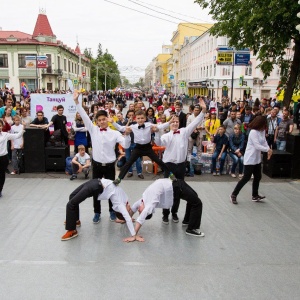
[133, 38]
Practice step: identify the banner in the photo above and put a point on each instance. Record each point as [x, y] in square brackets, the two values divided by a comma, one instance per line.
[30, 62]
[224, 58]
[48, 104]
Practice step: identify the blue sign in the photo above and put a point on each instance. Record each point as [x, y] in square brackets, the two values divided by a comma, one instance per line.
[171, 76]
[242, 59]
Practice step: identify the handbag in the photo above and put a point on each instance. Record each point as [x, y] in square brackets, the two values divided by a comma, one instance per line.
[71, 135]
[194, 135]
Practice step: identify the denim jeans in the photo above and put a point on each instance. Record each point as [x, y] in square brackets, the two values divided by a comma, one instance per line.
[137, 162]
[281, 145]
[237, 160]
[222, 160]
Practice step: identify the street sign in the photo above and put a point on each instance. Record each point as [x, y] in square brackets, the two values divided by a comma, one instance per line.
[242, 59]
[241, 80]
[75, 81]
[83, 74]
[171, 77]
[182, 84]
[224, 58]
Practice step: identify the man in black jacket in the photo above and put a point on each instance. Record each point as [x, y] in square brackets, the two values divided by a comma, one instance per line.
[181, 115]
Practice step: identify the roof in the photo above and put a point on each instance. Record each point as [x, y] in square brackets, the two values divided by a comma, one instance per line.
[14, 34]
[77, 50]
[42, 26]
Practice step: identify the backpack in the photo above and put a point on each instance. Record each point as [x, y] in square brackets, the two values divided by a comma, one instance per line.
[68, 169]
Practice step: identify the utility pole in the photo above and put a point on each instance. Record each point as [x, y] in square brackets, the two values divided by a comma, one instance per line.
[97, 78]
[105, 81]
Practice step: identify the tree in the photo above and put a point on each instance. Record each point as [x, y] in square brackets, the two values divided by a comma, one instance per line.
[267, 27]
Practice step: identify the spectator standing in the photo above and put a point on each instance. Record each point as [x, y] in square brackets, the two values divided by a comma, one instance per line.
[60, 122]
[41, 122]
[25, 119]
[272, 123]
[231, 122]
[285, 127]
[80, 133]
[211, 126]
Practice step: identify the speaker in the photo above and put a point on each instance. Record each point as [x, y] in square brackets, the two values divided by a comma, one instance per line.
[55, 157]
[279, 165]
[293, 144]
[34, 150]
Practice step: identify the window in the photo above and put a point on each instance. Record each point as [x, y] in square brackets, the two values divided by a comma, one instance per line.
[65, 64]
[248, 71]
[215, 69]
[226, 71]
[30, 83]
[210, 70]
[58, 62]
[22, 61]
[3, 61]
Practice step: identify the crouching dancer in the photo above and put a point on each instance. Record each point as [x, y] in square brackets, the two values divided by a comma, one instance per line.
[160, 194]
[103, 189]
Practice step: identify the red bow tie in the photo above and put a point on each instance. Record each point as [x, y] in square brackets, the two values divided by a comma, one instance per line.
[103, 129]
[177, 131]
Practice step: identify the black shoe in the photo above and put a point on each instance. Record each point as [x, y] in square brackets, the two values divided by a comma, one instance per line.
[86, 176]
[194, 232]
[258, 198]
[129, 175]
[73, 177]
[185, 223]
[175, 218]
[233, 199]
[165, 220]
[141, 176]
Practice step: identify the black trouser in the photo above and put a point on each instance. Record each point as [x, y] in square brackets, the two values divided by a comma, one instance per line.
[3, 166]
[92, 188]
[270, 141]
[178, 170]
[108, 172]
[193, 212]
[139, 151]
[248, 171]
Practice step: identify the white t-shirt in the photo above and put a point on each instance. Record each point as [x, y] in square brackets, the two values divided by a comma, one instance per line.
[19, 141]
[82, 159]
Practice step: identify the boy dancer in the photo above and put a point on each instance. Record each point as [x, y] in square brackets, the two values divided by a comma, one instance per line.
[104, 141]
[142, 138]
[176, 143]
[160, 194]
[102, 189]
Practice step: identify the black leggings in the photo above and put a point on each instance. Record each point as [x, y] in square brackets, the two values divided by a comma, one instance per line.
[3, 167]
[248, 171]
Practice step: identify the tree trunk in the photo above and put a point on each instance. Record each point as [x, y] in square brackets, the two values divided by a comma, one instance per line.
[290, 86]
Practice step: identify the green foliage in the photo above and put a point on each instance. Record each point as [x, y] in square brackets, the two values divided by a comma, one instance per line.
[267, 27]
[106, 65]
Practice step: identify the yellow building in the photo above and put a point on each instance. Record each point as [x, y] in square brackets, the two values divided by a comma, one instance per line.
[183, 31]
[161, 70]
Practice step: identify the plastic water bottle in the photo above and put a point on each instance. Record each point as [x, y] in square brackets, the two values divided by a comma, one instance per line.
[194, 153]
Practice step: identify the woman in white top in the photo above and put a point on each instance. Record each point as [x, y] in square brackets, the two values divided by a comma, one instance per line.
[4, 138]
[252, 159]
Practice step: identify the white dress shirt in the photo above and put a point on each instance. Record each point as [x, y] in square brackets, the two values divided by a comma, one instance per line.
[158, 195]
[103, 142]
[256, 144]
[118, 199]
[177, 144]
[4, 137]
[142, 136]
[19, 141]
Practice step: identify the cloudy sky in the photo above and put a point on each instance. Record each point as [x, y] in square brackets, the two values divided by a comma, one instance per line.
[131, 37]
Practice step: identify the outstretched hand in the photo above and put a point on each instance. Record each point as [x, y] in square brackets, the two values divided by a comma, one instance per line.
[202, 105]
[75, 96]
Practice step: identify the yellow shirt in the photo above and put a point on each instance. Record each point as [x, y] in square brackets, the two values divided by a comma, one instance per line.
[213, 126]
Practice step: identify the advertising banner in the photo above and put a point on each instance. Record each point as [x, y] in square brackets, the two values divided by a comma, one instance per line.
[48, 104]
[224, 58]
[242, 59]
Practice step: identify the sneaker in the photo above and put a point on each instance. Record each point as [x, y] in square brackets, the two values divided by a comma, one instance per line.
[214, 173]
[173, 178]
[252, 176]
[117, 181]
[233, 199]
[78, 223]
[96, 218]
[258, 198]
[218, 174]
[241, 176]
[165, 220]
[73, 177]
[70, 234]
[185, 223]
[175, 218]
[194, 232]
[141, 176]
[13, 173]
[129, 174]
[112, 216]
[233, 175]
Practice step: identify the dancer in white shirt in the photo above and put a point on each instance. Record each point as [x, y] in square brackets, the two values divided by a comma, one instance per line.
[103, 189]
[257, 143]
[176, 143]
[160, 194]
[4, 137]
[104, 141]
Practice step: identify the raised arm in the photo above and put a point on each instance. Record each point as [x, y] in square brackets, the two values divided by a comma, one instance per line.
[87, 122]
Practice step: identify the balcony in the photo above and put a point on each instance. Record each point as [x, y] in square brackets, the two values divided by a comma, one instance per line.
[50, 71]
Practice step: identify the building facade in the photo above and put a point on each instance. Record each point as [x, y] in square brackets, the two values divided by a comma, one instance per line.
[62, 62]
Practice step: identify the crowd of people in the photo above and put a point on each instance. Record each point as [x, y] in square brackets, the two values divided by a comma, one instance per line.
[241, 130]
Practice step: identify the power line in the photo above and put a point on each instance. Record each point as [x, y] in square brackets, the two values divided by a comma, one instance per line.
[172, 11]
[168, 15]
[151, 15]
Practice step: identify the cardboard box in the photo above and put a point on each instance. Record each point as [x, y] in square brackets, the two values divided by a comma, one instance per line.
[147, 166]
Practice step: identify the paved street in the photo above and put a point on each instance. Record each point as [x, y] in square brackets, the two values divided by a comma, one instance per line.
[250, 251]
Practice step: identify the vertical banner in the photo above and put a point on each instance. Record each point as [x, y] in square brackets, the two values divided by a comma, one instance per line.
[48, 104]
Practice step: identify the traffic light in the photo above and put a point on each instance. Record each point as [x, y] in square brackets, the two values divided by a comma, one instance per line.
[298, 15]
